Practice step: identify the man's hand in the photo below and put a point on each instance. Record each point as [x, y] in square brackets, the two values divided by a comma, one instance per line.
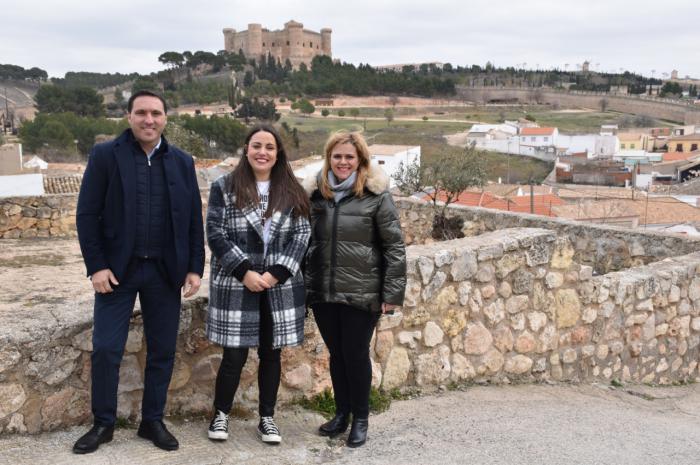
[102, 281]
[192, 283]
[269, 279]
[388, 308]
[255, 282]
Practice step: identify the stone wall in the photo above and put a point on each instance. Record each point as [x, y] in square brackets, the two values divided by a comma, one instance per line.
[45, 372]
[505, 306]
[642, 105]
[44, 216]
[605, 248]
[514, 305]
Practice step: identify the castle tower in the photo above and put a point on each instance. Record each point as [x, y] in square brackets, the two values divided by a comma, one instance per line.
[295, 36]
[292, 43]
[586, 66]
[229, 37]
[674, 74]
[326, 40]
[254, 48]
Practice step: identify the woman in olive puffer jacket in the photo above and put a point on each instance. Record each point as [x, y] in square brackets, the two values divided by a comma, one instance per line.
[355, 271]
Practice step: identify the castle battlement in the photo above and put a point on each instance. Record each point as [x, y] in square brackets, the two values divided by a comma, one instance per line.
[293, 43]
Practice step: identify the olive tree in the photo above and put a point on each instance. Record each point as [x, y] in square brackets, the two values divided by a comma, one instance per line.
[442, 180]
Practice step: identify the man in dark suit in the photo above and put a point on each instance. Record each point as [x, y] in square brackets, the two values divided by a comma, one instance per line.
[139, 223]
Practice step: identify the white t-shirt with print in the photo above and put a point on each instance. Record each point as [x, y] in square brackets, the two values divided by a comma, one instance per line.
[264, 195]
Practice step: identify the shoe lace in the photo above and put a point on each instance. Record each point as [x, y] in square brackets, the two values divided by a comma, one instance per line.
[268, 425]
[220, 422]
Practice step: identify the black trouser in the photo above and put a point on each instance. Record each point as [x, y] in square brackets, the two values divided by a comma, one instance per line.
[160, 310]
[234, 358]
[347, 332]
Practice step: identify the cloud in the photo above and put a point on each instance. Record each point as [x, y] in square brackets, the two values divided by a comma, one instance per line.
[128, 36]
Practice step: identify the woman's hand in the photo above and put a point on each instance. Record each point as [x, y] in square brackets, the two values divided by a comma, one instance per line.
[388, 308]
[255, 282]
[269, 279]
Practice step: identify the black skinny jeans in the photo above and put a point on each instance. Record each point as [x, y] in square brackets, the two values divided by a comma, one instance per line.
[347, 332]
[234, 358]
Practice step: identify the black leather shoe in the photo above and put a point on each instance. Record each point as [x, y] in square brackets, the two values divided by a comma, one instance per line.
[159, 434]
[90, 441]
[338, 424]
[358, 432]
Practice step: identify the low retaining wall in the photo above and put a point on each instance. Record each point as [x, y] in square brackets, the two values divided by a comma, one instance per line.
[605, 248]
[45, 372]
[41, 216]
[514, 305]
[510, 305]
[655, 107]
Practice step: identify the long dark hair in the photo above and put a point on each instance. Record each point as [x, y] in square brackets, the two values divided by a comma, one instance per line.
[285, 190]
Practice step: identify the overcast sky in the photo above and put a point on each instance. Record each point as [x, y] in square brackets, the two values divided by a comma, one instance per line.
[128, 35]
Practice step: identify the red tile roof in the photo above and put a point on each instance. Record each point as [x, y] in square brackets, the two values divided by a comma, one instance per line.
[676, 156]
[537, 131]
[542, 204]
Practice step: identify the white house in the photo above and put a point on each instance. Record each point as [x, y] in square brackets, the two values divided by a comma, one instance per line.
[479, 134]
[390, 157]
[596, 146]
[541, 138]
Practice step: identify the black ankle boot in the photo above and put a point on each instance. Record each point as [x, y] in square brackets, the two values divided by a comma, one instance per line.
[358, 432]
[338, 424]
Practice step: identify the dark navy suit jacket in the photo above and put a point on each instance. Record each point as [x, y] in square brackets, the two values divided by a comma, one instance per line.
[106, 212]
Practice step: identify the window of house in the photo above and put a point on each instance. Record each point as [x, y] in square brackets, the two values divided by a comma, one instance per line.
[533, 139]
[287, 43]
[693, 147]
[679, 147]
[380, 162]
[546, 139]
[622, 146]
[311, 44]
[632, 146]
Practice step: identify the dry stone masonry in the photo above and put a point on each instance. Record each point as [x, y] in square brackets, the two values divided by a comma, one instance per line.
[507, 304]
[44, 216]
[604, 248]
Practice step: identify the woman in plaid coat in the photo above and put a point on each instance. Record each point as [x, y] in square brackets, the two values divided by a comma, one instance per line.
[258, 231]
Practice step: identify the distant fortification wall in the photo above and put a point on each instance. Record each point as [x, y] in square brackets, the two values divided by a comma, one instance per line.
[654, 107]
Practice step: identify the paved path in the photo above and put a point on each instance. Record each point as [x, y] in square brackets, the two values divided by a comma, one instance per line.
[511, 425]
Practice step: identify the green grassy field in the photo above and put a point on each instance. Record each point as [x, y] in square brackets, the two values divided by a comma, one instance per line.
[314, 131]
[568, 122]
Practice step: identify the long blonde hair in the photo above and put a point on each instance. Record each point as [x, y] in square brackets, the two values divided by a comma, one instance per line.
[345, 137]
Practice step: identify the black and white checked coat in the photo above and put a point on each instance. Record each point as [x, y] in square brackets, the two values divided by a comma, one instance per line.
[235, 235]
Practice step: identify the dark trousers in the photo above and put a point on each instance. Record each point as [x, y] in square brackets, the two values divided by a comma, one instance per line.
[160, 308]
[347, 332]
[269, 369]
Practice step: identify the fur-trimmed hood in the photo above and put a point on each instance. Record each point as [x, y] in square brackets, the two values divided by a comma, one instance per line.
[377, 181]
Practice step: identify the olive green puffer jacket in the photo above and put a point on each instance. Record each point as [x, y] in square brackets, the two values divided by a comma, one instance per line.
[357, 254]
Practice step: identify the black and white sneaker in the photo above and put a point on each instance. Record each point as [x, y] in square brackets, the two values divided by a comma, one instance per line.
[268, 431]
[218, 428]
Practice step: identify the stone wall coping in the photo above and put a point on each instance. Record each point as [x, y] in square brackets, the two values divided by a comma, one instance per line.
[527, 220]
[486, 245]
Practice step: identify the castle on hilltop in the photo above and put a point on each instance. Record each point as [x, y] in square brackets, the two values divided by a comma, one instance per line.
[293, 43]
